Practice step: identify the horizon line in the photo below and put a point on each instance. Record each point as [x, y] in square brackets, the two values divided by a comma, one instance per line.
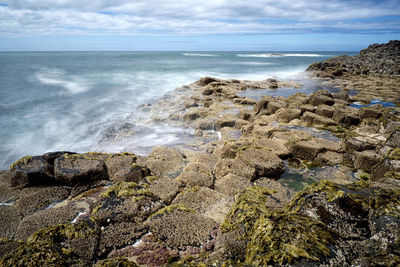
[199, 51]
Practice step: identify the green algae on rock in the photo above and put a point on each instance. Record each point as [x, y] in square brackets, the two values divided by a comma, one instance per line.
[127, 189]
[282, 237]
[249, 205]
[52, 247]
[23, 160]
[112, 262]
[170, 209]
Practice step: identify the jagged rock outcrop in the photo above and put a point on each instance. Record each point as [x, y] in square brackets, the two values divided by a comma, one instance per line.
[376, 59]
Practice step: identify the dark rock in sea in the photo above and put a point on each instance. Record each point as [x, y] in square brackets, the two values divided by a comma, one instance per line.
[383, 59]
[71, 169]
[30, 171]
[207, 80]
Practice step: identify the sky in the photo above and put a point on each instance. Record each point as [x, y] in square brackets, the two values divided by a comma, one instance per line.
[197, 25]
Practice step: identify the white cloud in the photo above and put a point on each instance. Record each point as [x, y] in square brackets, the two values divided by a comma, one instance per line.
[36, 17]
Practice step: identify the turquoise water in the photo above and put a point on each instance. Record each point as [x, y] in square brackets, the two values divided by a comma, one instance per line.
[70, 100]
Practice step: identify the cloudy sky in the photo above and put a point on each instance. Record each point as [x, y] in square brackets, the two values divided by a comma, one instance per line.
[197, 24]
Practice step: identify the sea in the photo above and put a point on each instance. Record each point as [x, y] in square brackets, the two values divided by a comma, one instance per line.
[74, 101]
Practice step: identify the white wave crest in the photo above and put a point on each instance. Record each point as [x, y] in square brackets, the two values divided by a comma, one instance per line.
[56, 77]
[280, 55]
[198, 55]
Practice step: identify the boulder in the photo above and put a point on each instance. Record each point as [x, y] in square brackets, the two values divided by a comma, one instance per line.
[281, 195]
[46, 218]
[117, 162]
[226, 166]
[207, 80]
[346, 116]
[244, 114]
[225, 121]
[263, 161]
[307, 107]
[133, 173]
[165, 161]
[372, 112]
[356, 144]
[325, 110]
[181, 229]
[312, 118]
[273, 107]
[204, 200]
[119, 235]
[130, 208]
[72, 169]
[394, 139]
[309, 149]
[192, 178]
[30, 171]
[166, 188]
[33, 199]
[231, 184]
[367, 160]
[288, 114]
[261, 105]
[317, 99]
[329, 158]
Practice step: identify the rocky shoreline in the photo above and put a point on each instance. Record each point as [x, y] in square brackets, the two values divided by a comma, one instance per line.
[299, 180]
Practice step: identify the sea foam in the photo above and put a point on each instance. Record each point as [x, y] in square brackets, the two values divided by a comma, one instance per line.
[57, 77]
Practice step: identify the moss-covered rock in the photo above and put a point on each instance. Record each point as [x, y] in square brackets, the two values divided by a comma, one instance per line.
[112, 262]
[61, 245]
[283, 237]
[248, 206]
[30, 171]
[71, 169]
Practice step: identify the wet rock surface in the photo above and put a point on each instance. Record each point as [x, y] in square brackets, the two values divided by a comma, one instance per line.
[229, 196]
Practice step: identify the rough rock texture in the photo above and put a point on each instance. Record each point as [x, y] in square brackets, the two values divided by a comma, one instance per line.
[182, 229]
[70, 169]
[367, 73]
[382, 59]
[227, 196]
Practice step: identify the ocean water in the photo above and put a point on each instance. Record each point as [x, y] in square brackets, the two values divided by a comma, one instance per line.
[74, 101]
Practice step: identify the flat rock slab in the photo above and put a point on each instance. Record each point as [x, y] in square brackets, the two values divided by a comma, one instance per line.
[9, 221]
[30, 171]
[182, 229]
[231, 184]
[46, 218]
[309, 149]
[191, 179]
[265, 163]
[36, 198]
[206, 201]
[116, 163]
[166, 188]
[234, 166]
[165, 161]
[119, 235]
[281, 194]
[71, 169]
